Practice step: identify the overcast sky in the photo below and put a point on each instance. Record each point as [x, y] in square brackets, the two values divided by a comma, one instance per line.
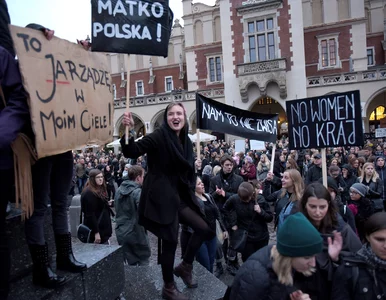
[71, 19]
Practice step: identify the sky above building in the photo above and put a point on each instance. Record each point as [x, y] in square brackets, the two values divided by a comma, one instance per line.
[71, 19]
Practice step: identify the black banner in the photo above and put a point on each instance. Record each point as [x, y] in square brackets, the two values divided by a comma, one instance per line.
[217, 116]
[325, 121]
[131, 26]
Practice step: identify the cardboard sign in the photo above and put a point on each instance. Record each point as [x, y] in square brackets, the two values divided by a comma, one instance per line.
[325, 121]
[131, 26]
[71, 101]
[217, 116]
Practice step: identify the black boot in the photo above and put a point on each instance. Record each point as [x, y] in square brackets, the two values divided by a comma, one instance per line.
[219, 269]
[42, 274]
[65, 259]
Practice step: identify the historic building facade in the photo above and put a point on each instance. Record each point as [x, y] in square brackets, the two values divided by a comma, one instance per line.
[257, 54]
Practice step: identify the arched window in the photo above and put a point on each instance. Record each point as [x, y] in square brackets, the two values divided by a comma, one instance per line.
[317, 12]
[377, 114]
[217, 29]
[198, 33]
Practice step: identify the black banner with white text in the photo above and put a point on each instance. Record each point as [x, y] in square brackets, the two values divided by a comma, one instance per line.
[131, 26]
[326, 121]
[217, 116]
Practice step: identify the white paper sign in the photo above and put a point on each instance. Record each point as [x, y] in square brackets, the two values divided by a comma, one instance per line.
[257, 145]
[380, 132]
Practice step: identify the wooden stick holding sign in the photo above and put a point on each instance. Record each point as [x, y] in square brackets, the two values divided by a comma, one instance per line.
[127, 97]
[324, 167]
[198, 143]
[273, 157]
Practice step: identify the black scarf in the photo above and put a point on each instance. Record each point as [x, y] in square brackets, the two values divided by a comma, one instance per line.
[368, 255]
[181, 150]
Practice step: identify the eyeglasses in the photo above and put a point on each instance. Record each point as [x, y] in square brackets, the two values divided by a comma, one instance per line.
[99, 177]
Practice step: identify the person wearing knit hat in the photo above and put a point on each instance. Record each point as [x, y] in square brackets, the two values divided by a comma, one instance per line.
[359, 188]
[361, 207]
[298, 242]
[297, 237]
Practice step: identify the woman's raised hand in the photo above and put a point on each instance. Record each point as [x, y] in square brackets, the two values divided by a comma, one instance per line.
[128, 120]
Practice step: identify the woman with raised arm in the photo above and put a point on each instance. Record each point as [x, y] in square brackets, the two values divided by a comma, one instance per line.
[167, 197]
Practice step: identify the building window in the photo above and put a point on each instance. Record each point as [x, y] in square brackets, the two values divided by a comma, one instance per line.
[215, 69]
[261, 40]
[168, 84]
[370, 56]
[328, 52]
[139, 88]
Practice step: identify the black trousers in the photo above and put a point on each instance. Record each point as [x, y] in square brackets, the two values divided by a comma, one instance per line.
[7, 194]
[202, 232]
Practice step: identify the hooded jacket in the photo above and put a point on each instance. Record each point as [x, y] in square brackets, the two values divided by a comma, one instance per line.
[129, 233]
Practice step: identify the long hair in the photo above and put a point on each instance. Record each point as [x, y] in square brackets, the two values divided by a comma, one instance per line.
[298, 182]
[282, 266]
[373, 178]
[98, 190]
[292, 164]
[267, 163]
[185, 129]
[330, 220]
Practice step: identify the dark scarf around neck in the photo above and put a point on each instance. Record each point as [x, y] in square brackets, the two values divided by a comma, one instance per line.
[368, 255]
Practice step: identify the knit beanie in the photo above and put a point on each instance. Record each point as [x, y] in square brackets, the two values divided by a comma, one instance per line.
[297, 237]
[359, 188]
[347, 167]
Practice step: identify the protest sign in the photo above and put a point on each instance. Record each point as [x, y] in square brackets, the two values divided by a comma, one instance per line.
[240, 146]
[71, 102]
[257, 145]
[217, 116]
[131, 26]
[380, 132]
[325, 121]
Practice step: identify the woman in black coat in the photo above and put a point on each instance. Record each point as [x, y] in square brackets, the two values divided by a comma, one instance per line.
[363, 275]
[167, 197]
[95, 207]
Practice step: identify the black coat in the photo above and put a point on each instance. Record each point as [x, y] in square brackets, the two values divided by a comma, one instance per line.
[230, 186]
[257, 280]
[92, 208]
[313, 174]
[354, 280]
[248, 219]
[169, 181]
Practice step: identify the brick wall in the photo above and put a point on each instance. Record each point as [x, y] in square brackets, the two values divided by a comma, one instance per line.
[375, 41]
[201, 64]
[284, 33]
[155, 88]
[312, 51]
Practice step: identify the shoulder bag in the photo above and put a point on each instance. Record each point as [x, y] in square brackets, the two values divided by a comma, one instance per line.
[83, 231]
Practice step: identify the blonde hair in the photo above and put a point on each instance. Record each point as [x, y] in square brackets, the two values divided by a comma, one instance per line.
[282, 266]
[267, 163]
[373, 178]
[298, 183]
[216, 169]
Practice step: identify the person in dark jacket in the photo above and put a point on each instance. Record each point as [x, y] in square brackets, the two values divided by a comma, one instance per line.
[14, 117]
[315, 171]
[167, 197]
[109, 180]
[131, 235]
[269, 273]
[360, 206]
[207, 176]
[94, 203]
[381, 170]
[222, 186]
[316, 204]
[370, 178]
[252, 214]
[363, 276]
[349, 179]
[344, 211]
